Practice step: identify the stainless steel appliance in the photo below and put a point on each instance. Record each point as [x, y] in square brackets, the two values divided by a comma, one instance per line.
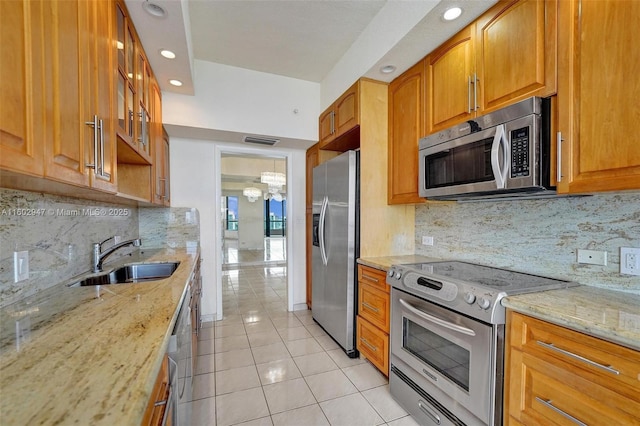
[335, 247]
[503, 154]
[181, 366]
[447, 338]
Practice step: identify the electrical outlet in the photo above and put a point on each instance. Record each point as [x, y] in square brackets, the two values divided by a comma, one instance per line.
[23, 332]
[117, 239]
[427, 241]
[592, 257]
[630, 260]
[20, 266]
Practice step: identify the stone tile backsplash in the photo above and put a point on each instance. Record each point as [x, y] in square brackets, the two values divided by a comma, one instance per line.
[537, 236]
[59, 232]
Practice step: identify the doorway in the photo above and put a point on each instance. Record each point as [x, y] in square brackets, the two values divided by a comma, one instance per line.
[254, 208]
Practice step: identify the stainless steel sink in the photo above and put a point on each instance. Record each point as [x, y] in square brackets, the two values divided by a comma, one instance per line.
[135, 273]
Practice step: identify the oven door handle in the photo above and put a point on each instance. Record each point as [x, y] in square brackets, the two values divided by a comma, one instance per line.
[436, 320]
[500, 173]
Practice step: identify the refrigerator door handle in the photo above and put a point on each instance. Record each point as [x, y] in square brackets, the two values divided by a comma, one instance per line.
[323, 215]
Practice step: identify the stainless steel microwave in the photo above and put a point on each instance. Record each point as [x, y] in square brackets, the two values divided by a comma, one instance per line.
[503, 154]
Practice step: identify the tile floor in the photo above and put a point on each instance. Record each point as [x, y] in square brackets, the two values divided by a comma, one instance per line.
[262, 365]
[274, 251]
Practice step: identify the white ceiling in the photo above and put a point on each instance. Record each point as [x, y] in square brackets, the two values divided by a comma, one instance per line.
[303, 39]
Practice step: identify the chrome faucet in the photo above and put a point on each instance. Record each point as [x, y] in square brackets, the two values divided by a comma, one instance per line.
[99, 256]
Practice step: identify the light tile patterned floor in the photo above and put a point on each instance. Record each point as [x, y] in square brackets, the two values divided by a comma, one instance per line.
[262, 365]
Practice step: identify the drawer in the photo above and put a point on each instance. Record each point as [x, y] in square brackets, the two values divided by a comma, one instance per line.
[374, 306]
[373, 344]
[607, 364]
[542, 393]
[373, 277]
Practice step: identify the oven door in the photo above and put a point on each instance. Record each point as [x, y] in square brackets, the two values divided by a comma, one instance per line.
[451, 355]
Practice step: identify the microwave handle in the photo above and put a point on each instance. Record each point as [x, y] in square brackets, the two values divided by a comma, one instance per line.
[500, 173]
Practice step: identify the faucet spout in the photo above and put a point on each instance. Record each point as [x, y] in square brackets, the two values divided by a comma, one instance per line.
[100, 256]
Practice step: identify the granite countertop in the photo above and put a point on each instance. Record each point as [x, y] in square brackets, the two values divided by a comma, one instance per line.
[609, 315]
[93, 353]
[385, 262]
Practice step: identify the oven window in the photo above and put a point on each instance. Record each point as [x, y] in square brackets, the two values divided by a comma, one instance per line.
[445, 356]
[464, 164]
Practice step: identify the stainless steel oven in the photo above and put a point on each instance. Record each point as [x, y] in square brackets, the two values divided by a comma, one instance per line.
[447, 339]
[454, 358]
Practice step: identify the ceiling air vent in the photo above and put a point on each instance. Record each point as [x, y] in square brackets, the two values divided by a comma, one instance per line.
[260, 141]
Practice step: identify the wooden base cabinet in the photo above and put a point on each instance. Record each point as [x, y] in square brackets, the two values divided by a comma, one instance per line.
[557, 376]
[158, 412]
[372, 323]
[598, 94]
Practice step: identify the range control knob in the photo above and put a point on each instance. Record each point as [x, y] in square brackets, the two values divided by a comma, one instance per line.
[484, 303]
[398, 275]
[390, 273]
[470, 298]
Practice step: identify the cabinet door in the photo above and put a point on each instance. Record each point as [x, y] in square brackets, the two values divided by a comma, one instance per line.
[157, 141]
[101, 77]
[347, 110]
[598, 94]
[68, 136]
[21, 87]
[516, 52]
[450, 82]
[327, 126]
[406, 127]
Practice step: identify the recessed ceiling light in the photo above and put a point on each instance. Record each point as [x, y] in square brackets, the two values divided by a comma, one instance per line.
[387, 69]
[452, 13]
[167, 54]
[176, 83]
[153, 9]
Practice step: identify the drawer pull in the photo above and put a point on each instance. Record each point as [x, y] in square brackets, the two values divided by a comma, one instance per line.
[428, 411]
[369, 307]
[559, 411]
[551, 346]
[370, 278]
[369, 345]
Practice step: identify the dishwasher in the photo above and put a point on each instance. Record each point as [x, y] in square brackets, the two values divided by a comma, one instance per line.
[181, 366]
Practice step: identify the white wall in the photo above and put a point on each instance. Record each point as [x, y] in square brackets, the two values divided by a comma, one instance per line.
[239, 100]
[250, 223]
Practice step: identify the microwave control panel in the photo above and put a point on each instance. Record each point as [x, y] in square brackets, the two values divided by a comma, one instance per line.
[520, 161]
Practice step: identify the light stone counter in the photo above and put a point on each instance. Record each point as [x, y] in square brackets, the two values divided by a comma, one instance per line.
[610, 315]
[385, 262]
[93, 353]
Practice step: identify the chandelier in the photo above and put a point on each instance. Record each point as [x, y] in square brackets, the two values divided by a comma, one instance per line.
[273, 178]
[252, 193]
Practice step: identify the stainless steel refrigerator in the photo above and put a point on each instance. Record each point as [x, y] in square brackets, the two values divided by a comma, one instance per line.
[336, 247]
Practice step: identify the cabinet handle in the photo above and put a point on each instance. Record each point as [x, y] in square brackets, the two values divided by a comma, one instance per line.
[333, 122]
[143, 127]
[130, 123]
[551, 346]
[371, 308]
[102, 173]
[475, 91]
[95, 126]
[559, 156]
[370, 278]
[469, 94]
[559, 411]
[369, 345]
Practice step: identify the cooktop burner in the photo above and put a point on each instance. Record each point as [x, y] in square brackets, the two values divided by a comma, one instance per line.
[474, 290]
[510, 282]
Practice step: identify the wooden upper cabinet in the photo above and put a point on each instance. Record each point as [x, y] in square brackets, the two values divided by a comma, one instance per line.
[598, 94]
[406, 127]
[338, 122]
[516, 52]
[450, 82]
[506, 55]
[22, 121]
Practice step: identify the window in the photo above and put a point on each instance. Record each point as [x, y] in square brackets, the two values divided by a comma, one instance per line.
[232, 213]
[275, 217]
